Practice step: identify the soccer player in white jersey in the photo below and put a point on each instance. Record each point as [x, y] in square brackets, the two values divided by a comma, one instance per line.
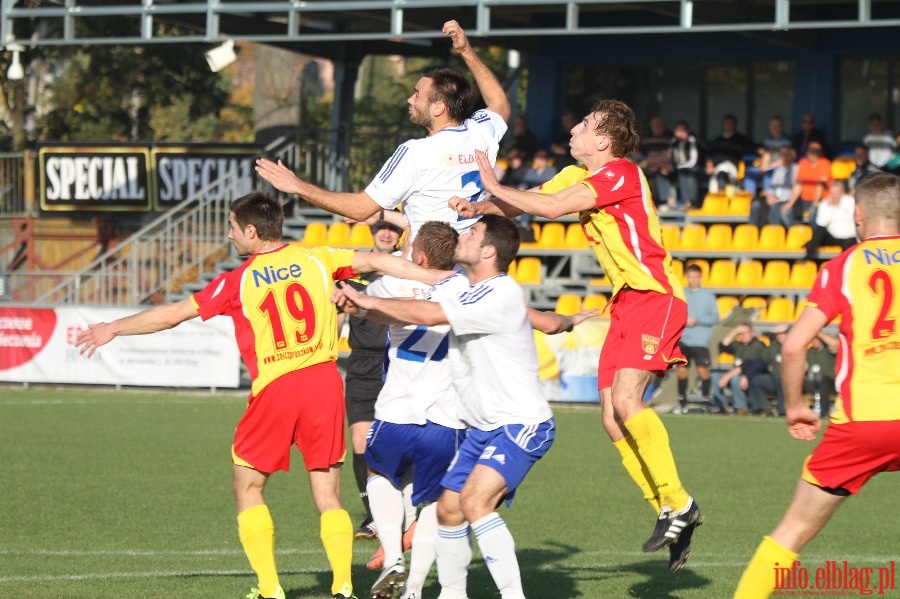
[423, 174]
[512, 424]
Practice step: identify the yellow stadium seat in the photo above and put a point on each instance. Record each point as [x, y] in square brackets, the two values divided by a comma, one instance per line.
[725, 358]
[594, 300]
[721, 273]
[714, 203]
[749, 273]
[704, 267]
[803, 274]
[338, 235]
[511, 271]
[678, 269]
[361, 235]
[745, 238]
[568, 304]
[776, 274]
[343, 345]
[528, 271]
[670, 236]
[315, 234]
[755, 302]
[693, 237]
[718, 237]
[801, 305]
[536, 232]
[739, 204]
[725, 303]
[842, 167]
[771, 238]
[797, 236]
[780, 309]
[575, 239]
[553, 236]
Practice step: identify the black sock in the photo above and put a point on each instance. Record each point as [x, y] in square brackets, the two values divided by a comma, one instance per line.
[705, 387]
[682, 391]
[361, 472]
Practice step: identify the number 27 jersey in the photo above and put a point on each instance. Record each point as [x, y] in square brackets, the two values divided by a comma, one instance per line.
[862, 285]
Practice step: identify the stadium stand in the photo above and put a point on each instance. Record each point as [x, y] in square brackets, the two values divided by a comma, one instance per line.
[746, 238]
[338, 235]
[780, 309]
[361, 235]
[594, 300]
[315, 234]
[568, 304]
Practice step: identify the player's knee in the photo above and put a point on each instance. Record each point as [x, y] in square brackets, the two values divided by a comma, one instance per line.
[449, 512]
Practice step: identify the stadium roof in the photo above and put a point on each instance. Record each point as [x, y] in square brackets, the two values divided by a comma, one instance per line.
[324, 27]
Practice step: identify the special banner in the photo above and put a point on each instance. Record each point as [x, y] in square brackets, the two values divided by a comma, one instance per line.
[37, 345]
[136, 177]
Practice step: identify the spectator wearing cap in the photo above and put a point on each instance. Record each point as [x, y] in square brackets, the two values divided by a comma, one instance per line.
[763, 384]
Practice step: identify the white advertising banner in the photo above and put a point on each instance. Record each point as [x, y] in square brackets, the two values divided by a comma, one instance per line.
[37, 345]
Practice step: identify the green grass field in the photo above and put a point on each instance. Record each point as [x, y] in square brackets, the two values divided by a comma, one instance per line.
[127, 494]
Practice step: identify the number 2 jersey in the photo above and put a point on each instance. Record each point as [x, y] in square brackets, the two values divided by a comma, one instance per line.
[280, 304]
[862, 286]
[423, 174]
[418, 386]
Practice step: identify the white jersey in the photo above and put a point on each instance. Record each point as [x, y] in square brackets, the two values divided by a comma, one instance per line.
[492, 352]
[418, 386]
[423, 174]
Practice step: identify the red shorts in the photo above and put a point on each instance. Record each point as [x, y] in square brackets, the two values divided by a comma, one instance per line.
[303, 408]
[852, 453]
[644, 330]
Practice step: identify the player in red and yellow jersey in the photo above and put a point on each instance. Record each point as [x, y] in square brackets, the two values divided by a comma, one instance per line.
[285, 326]
[862, 285]
[648, 312]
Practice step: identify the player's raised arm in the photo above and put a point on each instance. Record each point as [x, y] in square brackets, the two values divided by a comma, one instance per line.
[358, 206]
[552, 323]
[397, 267]
[493, 93]
[407, 311]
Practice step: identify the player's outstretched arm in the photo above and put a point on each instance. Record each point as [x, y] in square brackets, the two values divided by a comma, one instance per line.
[406, 311]
[550, 205]
[358, 206]
[493, 93]
[552, 323]
[468, 209]
[397, 267]
[158, 318]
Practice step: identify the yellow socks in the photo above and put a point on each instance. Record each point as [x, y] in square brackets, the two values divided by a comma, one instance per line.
[638, 471]
[759, 579]
[337, 537]
[652, 442]
[257, 534]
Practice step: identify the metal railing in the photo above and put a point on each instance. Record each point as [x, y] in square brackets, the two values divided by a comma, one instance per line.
[160, 257]
[12, 184]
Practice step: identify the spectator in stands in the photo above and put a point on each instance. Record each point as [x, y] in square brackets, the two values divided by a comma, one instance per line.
[893, 165]
[540, 170]
[748, 350]
[835, 221]
[813, 179]
[726, 152]
[863, 167]
[769, 155]
[769, 381]
[687, 159]
[820, 363]
[810, 133]
[879, 141]
[703, 315]
[516, 167]
[656, 161]
[562, 156]
[778, 188]
[523, 139]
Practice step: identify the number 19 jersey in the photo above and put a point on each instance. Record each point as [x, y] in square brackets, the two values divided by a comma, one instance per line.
[280, 302]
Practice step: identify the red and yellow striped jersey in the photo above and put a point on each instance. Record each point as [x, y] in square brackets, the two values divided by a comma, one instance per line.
[623, 227]
[862, 285]
[280, 303]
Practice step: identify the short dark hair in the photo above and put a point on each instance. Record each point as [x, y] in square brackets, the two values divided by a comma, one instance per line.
[503, 235]
[730, 117]
[262, 211]
[618, 123]
[692, 267]
[450, 86]
[437, 240]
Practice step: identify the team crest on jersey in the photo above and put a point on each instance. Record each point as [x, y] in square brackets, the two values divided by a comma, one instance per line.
[650, 344]
[609, 174]
[450, 159]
